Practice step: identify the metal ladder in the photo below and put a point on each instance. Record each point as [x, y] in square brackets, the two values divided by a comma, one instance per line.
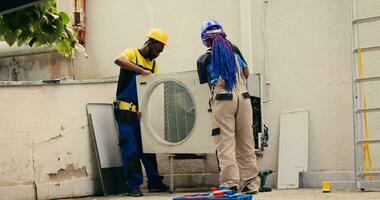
[366, 177]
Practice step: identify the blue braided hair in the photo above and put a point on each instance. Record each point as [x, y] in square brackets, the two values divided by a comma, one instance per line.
[223, 58]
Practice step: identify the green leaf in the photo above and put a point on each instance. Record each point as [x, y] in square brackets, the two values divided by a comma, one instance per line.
[10, 38]
[60, 28]
[62, 46]
[45, 19]
[34, 14]
[3, 28]
[38, 25]
[23, 37]
[65, 19]
[23, 21]
[47, 28]
[20, 42]
[53, 16]
[12, 21]
[32, 41]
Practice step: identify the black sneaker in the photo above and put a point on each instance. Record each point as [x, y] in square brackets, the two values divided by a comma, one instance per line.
[161, 188]
[135, 193]
[234, 189]
[247, 191]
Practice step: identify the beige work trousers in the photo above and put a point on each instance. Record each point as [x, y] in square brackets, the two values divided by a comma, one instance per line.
[233, 136]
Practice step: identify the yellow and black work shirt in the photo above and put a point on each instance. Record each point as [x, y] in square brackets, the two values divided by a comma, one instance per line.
[126, 87]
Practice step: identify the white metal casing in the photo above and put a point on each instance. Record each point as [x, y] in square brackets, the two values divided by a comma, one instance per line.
[199, 139]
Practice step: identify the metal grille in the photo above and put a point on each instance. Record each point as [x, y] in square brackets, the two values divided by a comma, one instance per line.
[179, 112]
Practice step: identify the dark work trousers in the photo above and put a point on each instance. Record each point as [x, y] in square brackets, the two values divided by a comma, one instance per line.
[131, 153]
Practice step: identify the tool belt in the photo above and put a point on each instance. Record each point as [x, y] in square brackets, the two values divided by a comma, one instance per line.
[129, 106]
[125, 112]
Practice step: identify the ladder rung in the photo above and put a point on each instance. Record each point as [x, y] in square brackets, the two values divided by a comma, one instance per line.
[373, 173]
[360, 110]
[364, 49]
[364, 20]
[367, 141]
[367, 79]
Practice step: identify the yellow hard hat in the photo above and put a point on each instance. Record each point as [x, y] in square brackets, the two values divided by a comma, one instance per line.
[158, 34]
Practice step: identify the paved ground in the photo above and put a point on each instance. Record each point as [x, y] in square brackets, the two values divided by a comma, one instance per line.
[301, 194]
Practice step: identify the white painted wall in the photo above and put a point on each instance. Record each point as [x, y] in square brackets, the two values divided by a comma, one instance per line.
[307, 66]
[112, 27]
[309, 69]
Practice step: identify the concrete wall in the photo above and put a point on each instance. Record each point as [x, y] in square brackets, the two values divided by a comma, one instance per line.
[45, 140]
[301, 47]
[42, 66]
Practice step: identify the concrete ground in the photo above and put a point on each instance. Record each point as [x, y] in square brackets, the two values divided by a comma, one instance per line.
[300, 194]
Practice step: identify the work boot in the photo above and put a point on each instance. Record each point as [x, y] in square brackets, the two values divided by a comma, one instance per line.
[252, 187]
[234, 189]
[231, 185]
[135, 193]
[160, 188]
[246, 190]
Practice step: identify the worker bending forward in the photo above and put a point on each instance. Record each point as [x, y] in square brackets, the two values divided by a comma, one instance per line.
[132, 62]
[225, 70]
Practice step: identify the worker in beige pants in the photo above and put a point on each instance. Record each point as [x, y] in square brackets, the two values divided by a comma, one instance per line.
[233, 136]
[223, 67]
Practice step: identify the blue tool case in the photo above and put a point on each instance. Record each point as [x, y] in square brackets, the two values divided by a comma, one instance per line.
[204, 196]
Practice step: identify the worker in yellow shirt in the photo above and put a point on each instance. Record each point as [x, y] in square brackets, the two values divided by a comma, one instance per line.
[132, 62]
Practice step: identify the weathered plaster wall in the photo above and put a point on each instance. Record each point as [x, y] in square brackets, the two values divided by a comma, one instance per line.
[18, 65]
[44, 130]
[45, 139]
